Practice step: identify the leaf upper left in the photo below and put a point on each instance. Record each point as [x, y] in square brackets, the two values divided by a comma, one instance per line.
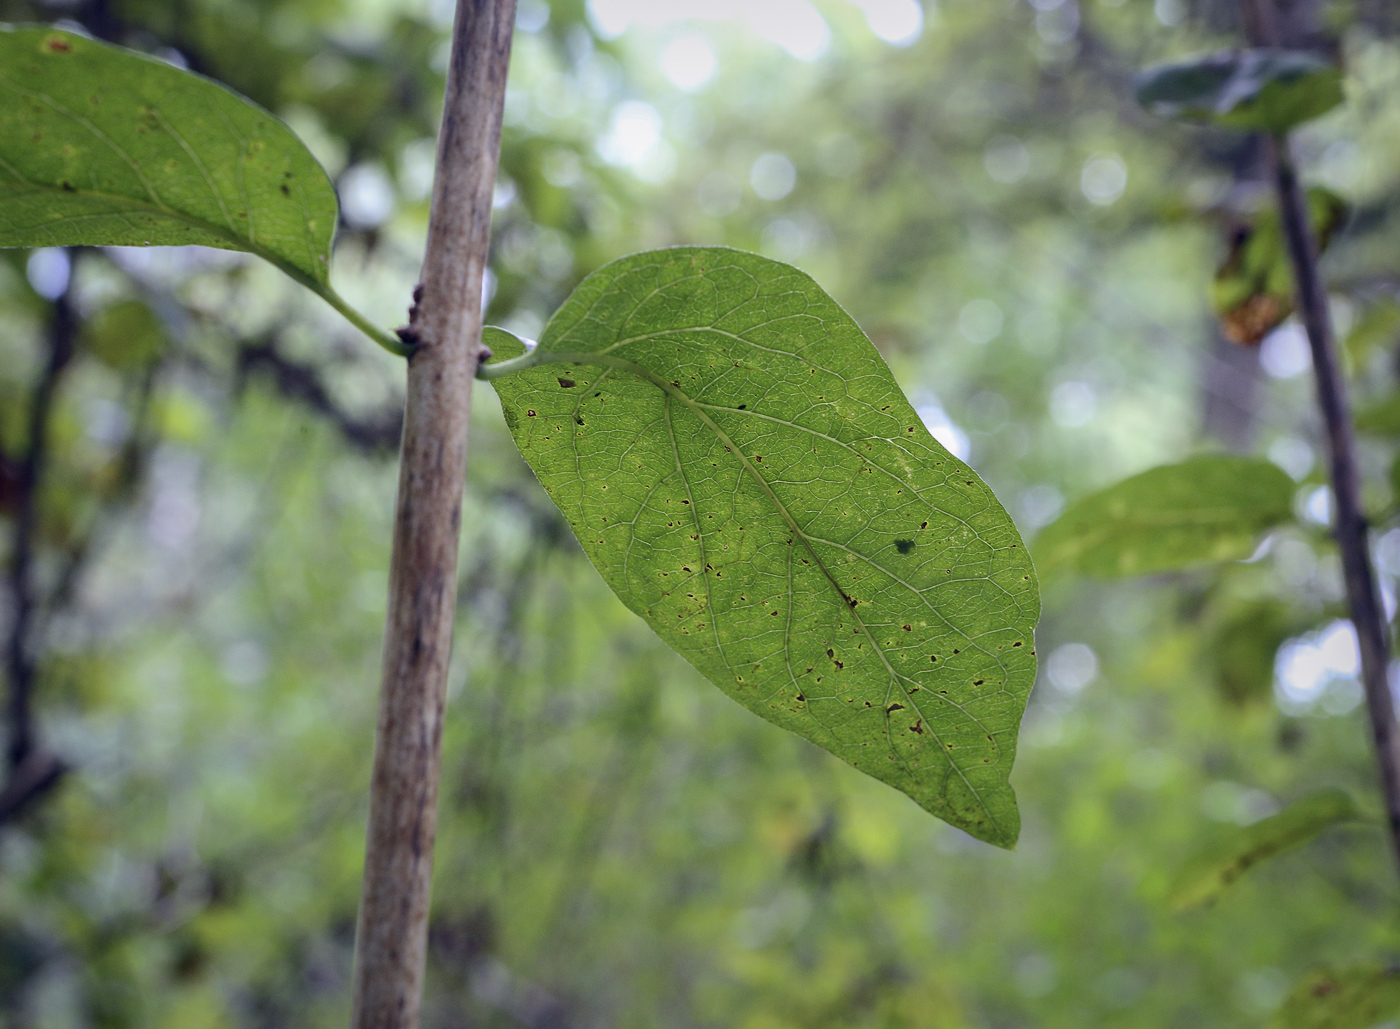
[106, 147]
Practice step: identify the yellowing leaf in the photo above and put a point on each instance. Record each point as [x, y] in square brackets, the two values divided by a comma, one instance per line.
[1252, 292]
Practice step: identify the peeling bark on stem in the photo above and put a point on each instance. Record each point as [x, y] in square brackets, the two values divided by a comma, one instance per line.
[391, 939]
[1350, 530]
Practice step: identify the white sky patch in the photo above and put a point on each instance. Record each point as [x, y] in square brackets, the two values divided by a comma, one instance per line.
[1071, 667]
[772, 176]
[1006, 159]
[48, 270]
[980, 321]
[1284, 352]
[531, 15]
[1040, 505]
[1316, 506]
[633, 134]
[944, 429]
[504, 192]
[1293, 455]
[416, 164]
[488, 287]
[366, 195]
[1388, 553]
[1304, 668]
[1073, 404]
[793, 25]
[1103, 179]
[897, 22]
[689, 62]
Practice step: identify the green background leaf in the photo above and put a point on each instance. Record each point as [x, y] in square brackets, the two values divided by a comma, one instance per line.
[1381, 417]
[1377, 327]
[1211, 871]
[104, 146]
[1348, 998]
[1244, 647]
[125, 335]
[1264, 90]
[741, 467]
[1206, 509]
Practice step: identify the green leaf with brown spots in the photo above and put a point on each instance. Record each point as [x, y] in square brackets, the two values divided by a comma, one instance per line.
[1207, 509]
[102, 146]
[1211, 871]
[742, 469]
[1346, 998]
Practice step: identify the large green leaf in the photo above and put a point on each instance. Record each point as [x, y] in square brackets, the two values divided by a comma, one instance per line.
[103, 146]
[1265, 90]
[741, 467]
[1211, 871]
[1348, 998]
[1206, 509]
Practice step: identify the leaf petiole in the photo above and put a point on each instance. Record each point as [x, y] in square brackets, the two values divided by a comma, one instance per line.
[387, 340]
[499, 370]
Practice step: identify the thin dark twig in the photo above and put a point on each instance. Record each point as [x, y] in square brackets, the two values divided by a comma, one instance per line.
[303, 383]
[27, 778]
[1350, 529]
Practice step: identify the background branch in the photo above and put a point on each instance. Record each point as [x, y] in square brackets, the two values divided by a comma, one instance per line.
[31, 773]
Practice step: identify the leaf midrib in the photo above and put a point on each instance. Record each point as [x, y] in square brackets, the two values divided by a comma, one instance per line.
[671, 390]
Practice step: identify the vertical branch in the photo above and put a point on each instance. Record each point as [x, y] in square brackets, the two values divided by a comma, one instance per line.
[445, 326]
[31, 770]
[1350, 530]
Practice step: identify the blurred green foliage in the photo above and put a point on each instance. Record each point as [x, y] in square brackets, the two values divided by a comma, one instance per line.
[621, 845]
